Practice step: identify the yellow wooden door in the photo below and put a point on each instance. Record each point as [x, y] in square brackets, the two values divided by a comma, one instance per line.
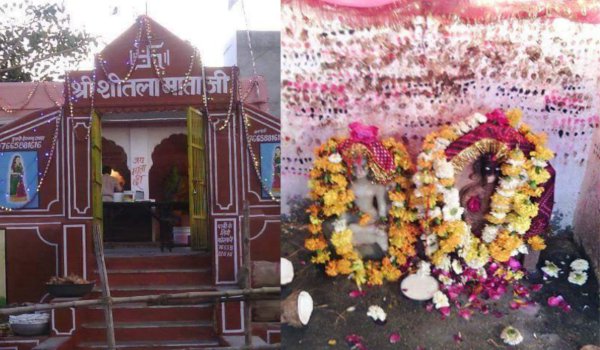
[197, 179]
[96, 149]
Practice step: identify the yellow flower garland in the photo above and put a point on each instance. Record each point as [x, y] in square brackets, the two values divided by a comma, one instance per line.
[330, 190]
[511, 205]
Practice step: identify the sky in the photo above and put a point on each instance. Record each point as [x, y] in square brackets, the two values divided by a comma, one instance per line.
[207, 24]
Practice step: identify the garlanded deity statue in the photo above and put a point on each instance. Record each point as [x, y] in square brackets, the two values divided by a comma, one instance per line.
[475, 197]
[370, 199]
[369, 163]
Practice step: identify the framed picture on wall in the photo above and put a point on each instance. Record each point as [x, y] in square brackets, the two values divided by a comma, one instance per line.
[270, 169]
[19, 179]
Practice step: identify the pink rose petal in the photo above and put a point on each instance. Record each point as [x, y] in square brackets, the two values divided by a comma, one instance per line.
[357, 293]
[445, 311]
[497, 313]
[565, 307]
[555, 301]
[536, 287]
[394, 338]
[514, 264]
[465, 313]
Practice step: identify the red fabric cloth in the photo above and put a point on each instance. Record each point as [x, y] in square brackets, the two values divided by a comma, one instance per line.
[367, 135]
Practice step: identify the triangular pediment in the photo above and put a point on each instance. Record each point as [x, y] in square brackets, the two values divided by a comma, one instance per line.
[142, 48]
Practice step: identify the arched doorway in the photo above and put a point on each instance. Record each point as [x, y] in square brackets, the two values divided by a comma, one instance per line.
[168, 176]
[168, 182]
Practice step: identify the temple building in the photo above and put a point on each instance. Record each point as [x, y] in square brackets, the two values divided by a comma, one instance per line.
[188, 145]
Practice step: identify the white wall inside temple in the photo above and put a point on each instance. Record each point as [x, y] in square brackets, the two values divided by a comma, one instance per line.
[139, 143]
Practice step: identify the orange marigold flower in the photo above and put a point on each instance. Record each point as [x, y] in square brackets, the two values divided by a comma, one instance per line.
[514, 116]
[364, 220]
[314, 229]
[314, 244]
[375, 275]
[396, 196]
[389, 271]
[537, 243]
[313, 210]
[447, 182]
[321, 257]
[344, 266]
[331, 268]
[447, 133]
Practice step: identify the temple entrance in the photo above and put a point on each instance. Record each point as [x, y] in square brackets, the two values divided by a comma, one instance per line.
[159, 161]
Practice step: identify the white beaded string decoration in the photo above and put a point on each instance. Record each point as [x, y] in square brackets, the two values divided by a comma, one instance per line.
[133, 63]
[54, 100]
[10, 109]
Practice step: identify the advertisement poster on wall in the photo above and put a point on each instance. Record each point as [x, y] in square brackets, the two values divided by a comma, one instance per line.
[19, 180]
[270, 168]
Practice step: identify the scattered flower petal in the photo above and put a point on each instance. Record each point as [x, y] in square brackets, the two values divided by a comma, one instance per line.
[497, 313]
[357, 293]
[536, 287]
[465, 313]
[511, 336]
[445, 311]
[551, 269]
[559, 301]
[555, 301]
[440, 300]
[578, 277]
[377, 314]
[332, 342]
[580, 265]
[458, 338]
[514, 264]
[355, 342]
[394, 338]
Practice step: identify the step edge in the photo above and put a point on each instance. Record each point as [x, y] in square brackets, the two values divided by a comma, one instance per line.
[149, 324]
[132, 288]
[147, 306]
[162, 343]
[148, 271]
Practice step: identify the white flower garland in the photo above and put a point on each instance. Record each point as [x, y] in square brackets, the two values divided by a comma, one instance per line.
[470, 247]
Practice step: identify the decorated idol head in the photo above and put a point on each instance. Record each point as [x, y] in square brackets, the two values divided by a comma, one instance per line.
[487, 168]
[360, 167]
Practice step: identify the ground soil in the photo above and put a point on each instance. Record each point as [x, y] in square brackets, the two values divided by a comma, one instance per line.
[542, 327]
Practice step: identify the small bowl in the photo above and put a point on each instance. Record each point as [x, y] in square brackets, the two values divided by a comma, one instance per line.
[70, 290]
[29, 329]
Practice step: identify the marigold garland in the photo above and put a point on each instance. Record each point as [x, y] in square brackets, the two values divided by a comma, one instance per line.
[330, 190]
[437, 200]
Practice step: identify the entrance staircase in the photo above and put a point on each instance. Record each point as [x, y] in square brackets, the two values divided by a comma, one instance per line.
[175, 324]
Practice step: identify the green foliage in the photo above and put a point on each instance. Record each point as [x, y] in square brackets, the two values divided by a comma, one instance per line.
[30, 32]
